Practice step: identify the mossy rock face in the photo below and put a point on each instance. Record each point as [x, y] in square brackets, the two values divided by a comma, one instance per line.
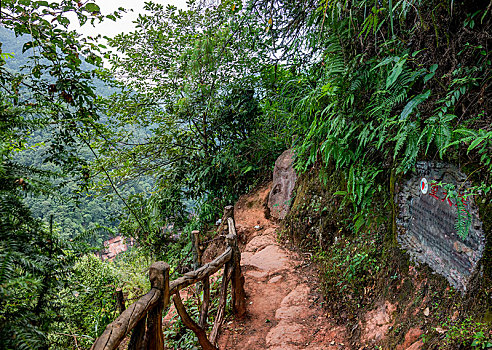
[316, 217]
[361, 270]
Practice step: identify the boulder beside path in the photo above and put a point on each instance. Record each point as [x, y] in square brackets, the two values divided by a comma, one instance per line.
[284, 180]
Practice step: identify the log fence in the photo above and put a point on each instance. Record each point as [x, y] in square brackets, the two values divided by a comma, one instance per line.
[144, 317]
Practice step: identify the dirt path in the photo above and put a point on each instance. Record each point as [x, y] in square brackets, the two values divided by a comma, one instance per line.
[284, 307]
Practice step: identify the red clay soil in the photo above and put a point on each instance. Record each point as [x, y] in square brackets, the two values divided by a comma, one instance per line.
[284, 307]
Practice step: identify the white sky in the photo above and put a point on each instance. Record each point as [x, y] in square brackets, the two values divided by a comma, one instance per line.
[110, 28]
[124, 24]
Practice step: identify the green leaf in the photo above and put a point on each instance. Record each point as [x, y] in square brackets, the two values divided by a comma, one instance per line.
[358, 223]
[395, 73]
[414, 102]
[42, 3]
[475, 143]
[391, 18]
[247, 169]
[91, 7]
[64, 21]
[338, 193]
[386, 61]
[428, 77]
[27, 46]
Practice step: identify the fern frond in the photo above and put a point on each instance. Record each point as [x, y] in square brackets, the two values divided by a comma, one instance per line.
[400, 139]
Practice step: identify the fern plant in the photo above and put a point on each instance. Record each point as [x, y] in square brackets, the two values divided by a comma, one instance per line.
[455, 196]
[352, 120]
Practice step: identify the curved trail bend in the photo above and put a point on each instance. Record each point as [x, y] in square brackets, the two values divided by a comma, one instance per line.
[284, 308]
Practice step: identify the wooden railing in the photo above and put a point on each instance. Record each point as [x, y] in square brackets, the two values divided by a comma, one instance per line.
[144, 317]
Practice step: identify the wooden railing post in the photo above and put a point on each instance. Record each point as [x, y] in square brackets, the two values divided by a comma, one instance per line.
[133, 317]
[228, 213]
[137, 340]
[197, 256]
[205, 283]
[219, 318]
[159, 279]
[237, 280]
[120, 300]
[202, 322]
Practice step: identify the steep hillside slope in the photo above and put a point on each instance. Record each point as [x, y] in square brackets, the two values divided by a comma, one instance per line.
[372, 286]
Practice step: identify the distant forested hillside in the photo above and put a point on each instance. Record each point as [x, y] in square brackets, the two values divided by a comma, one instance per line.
[73, 209]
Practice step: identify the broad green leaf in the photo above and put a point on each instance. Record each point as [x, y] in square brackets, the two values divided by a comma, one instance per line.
[64, 21]
[91, 7]
[358, 223]
[395, 73]
[340, 193]
[428, 77]
[386, 61]
[413, 103]
[475, 143]
[247, 169]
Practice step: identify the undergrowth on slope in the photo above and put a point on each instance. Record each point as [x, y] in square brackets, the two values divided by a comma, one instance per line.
[349, 272]
[360, 269]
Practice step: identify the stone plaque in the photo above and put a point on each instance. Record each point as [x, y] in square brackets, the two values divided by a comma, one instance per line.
[439, 228]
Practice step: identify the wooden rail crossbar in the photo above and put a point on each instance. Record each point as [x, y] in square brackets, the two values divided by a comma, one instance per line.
[144, 317]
